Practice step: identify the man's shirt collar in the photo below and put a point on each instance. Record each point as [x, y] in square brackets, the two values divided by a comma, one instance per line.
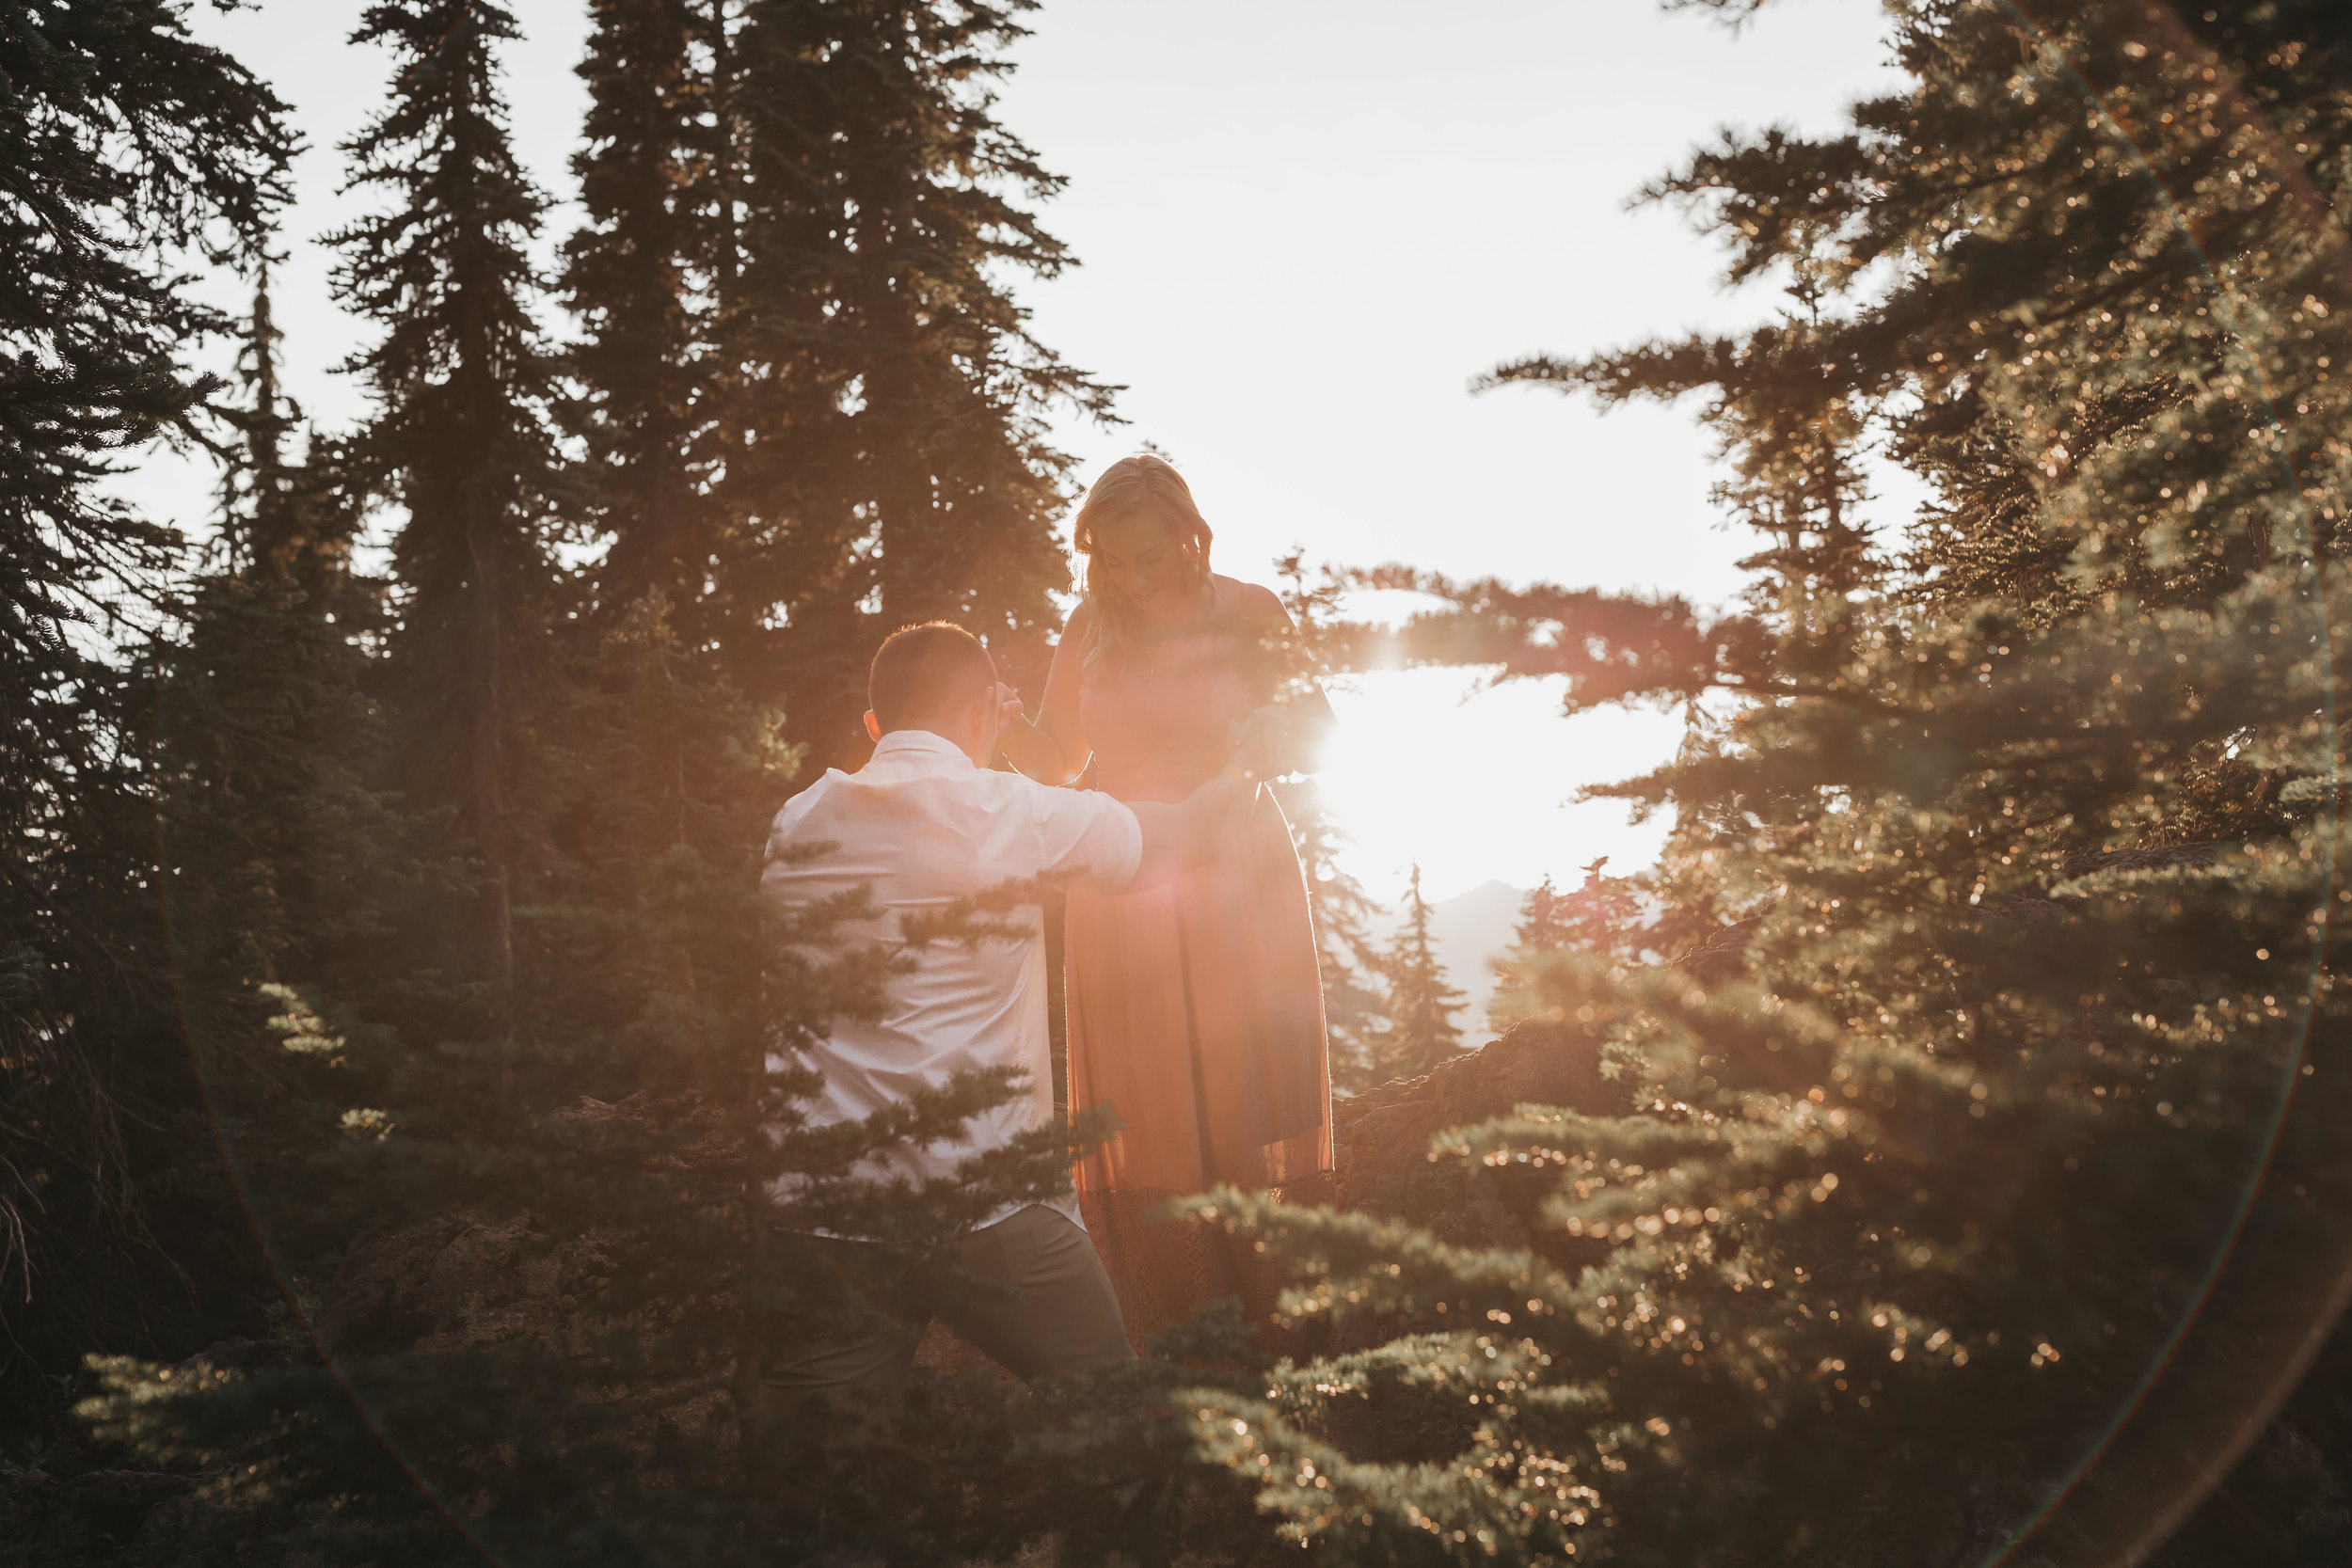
[924, 746]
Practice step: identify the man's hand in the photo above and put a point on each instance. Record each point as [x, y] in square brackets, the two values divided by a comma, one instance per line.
[1195, 831]
[1029, 746]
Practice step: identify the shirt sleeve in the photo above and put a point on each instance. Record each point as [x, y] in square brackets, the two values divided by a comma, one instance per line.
[1086, 836]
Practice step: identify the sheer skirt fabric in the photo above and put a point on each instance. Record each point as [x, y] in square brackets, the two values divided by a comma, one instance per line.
[1195, 1011]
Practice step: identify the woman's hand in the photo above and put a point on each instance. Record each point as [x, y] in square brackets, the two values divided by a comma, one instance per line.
[1274, 740]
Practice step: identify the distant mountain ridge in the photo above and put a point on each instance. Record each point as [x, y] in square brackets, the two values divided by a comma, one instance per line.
[1469, 931]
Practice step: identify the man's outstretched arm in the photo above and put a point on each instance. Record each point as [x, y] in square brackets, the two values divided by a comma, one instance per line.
[1178, 837]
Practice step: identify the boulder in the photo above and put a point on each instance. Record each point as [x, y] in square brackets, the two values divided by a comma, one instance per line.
[1381, 1138]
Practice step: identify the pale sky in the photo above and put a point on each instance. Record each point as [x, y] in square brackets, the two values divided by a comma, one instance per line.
[1303, 227]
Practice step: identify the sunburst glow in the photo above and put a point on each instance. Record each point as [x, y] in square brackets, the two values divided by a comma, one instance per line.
[1477, 784]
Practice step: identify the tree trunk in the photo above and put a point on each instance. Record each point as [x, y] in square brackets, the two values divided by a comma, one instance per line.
[493, 928]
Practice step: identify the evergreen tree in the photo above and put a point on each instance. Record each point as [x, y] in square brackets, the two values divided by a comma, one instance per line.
[1354, 1011]
[459, 437]
[1543, 925]
[278, 856]
[1984, 1176]
[638, 275]
[1421, 1029]
[131, 149]
[885, 455]
[642, 1090]
[1602, 917]
[1983, 1166]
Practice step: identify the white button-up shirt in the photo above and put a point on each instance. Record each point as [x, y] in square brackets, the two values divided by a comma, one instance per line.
[923, 827]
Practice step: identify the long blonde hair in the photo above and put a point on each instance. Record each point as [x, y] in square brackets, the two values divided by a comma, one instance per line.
[1133, 484]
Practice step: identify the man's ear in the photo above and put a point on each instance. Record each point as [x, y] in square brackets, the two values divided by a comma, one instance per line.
[873, 726]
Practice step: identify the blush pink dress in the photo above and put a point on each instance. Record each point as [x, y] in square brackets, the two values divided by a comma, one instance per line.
[1195, 1008]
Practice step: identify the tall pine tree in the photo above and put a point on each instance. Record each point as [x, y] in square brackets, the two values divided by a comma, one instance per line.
[459, 438]
[619, 1133]
[1354, 1011]
[1421, 1030]
[1602, 918]
[132, 150]
[1983, 1198]
[641, 278]
[639, 274]
[885, 455]
[278, 857]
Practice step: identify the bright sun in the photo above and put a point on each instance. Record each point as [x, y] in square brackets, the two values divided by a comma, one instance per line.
[1477, 786]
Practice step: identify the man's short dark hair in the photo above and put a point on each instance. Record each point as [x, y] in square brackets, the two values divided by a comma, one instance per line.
[926, 672]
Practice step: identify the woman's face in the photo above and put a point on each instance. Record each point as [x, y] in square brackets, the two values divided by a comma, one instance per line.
[1138, 553]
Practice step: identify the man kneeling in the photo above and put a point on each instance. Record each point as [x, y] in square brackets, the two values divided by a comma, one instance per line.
[924, 824]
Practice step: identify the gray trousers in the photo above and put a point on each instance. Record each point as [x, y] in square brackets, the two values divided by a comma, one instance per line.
[1062, 1318]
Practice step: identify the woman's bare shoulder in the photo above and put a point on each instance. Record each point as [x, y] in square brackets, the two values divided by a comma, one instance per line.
[1077, 625]
[1249, 598]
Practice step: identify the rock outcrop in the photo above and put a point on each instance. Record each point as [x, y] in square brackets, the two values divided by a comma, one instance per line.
[1381, 1138]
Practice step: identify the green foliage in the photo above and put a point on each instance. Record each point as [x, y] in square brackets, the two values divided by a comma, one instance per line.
[1421, 1030]
[1980, 1186]
[1355, 1011]
[883, 450]
[1602, 918]
[132, 152]
[514, 1170]
[641, 278]
[459, 438]
[282, 866]
[1980, 1175]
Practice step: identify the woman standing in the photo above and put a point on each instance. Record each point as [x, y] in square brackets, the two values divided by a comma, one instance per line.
[1195, 1008]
